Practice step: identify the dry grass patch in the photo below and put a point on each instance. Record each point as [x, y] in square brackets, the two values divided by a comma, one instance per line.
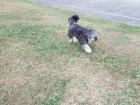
[89, 82]
[24, 78]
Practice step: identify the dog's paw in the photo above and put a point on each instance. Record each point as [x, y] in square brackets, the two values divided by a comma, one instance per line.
[74, 40]
[87, 48]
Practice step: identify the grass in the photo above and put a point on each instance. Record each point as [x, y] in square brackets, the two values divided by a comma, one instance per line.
[39, 67]
[55, 99]
[127, 96]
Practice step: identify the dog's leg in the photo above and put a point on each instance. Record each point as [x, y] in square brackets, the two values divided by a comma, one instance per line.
[74, 40]
[86, 48]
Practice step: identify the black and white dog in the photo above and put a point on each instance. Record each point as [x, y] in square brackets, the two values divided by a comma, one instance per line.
[84, 36]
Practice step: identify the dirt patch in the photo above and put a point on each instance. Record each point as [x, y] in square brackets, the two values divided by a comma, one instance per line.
[128, 47]
[88, 84]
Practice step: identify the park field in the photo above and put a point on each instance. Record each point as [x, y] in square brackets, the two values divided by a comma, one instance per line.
[39, 67]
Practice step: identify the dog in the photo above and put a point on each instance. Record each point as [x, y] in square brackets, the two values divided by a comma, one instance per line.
[77, 33]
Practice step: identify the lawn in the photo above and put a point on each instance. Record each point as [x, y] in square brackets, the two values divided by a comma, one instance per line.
[39, 67]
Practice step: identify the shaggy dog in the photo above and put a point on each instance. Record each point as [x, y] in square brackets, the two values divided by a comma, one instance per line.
[84, 36]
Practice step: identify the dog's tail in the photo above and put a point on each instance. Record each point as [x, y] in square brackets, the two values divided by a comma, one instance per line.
[73, 19]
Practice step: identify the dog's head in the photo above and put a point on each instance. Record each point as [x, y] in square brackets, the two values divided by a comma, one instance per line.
[73, 19]
[92, 36]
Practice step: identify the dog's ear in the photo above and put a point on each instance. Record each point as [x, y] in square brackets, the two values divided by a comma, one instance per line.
[75, 18]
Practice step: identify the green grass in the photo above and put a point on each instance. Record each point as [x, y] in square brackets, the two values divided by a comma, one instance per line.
[122, 66]
[39, 66]
[40, 41]
[121, 39]
[55, 99]
[126, 96]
